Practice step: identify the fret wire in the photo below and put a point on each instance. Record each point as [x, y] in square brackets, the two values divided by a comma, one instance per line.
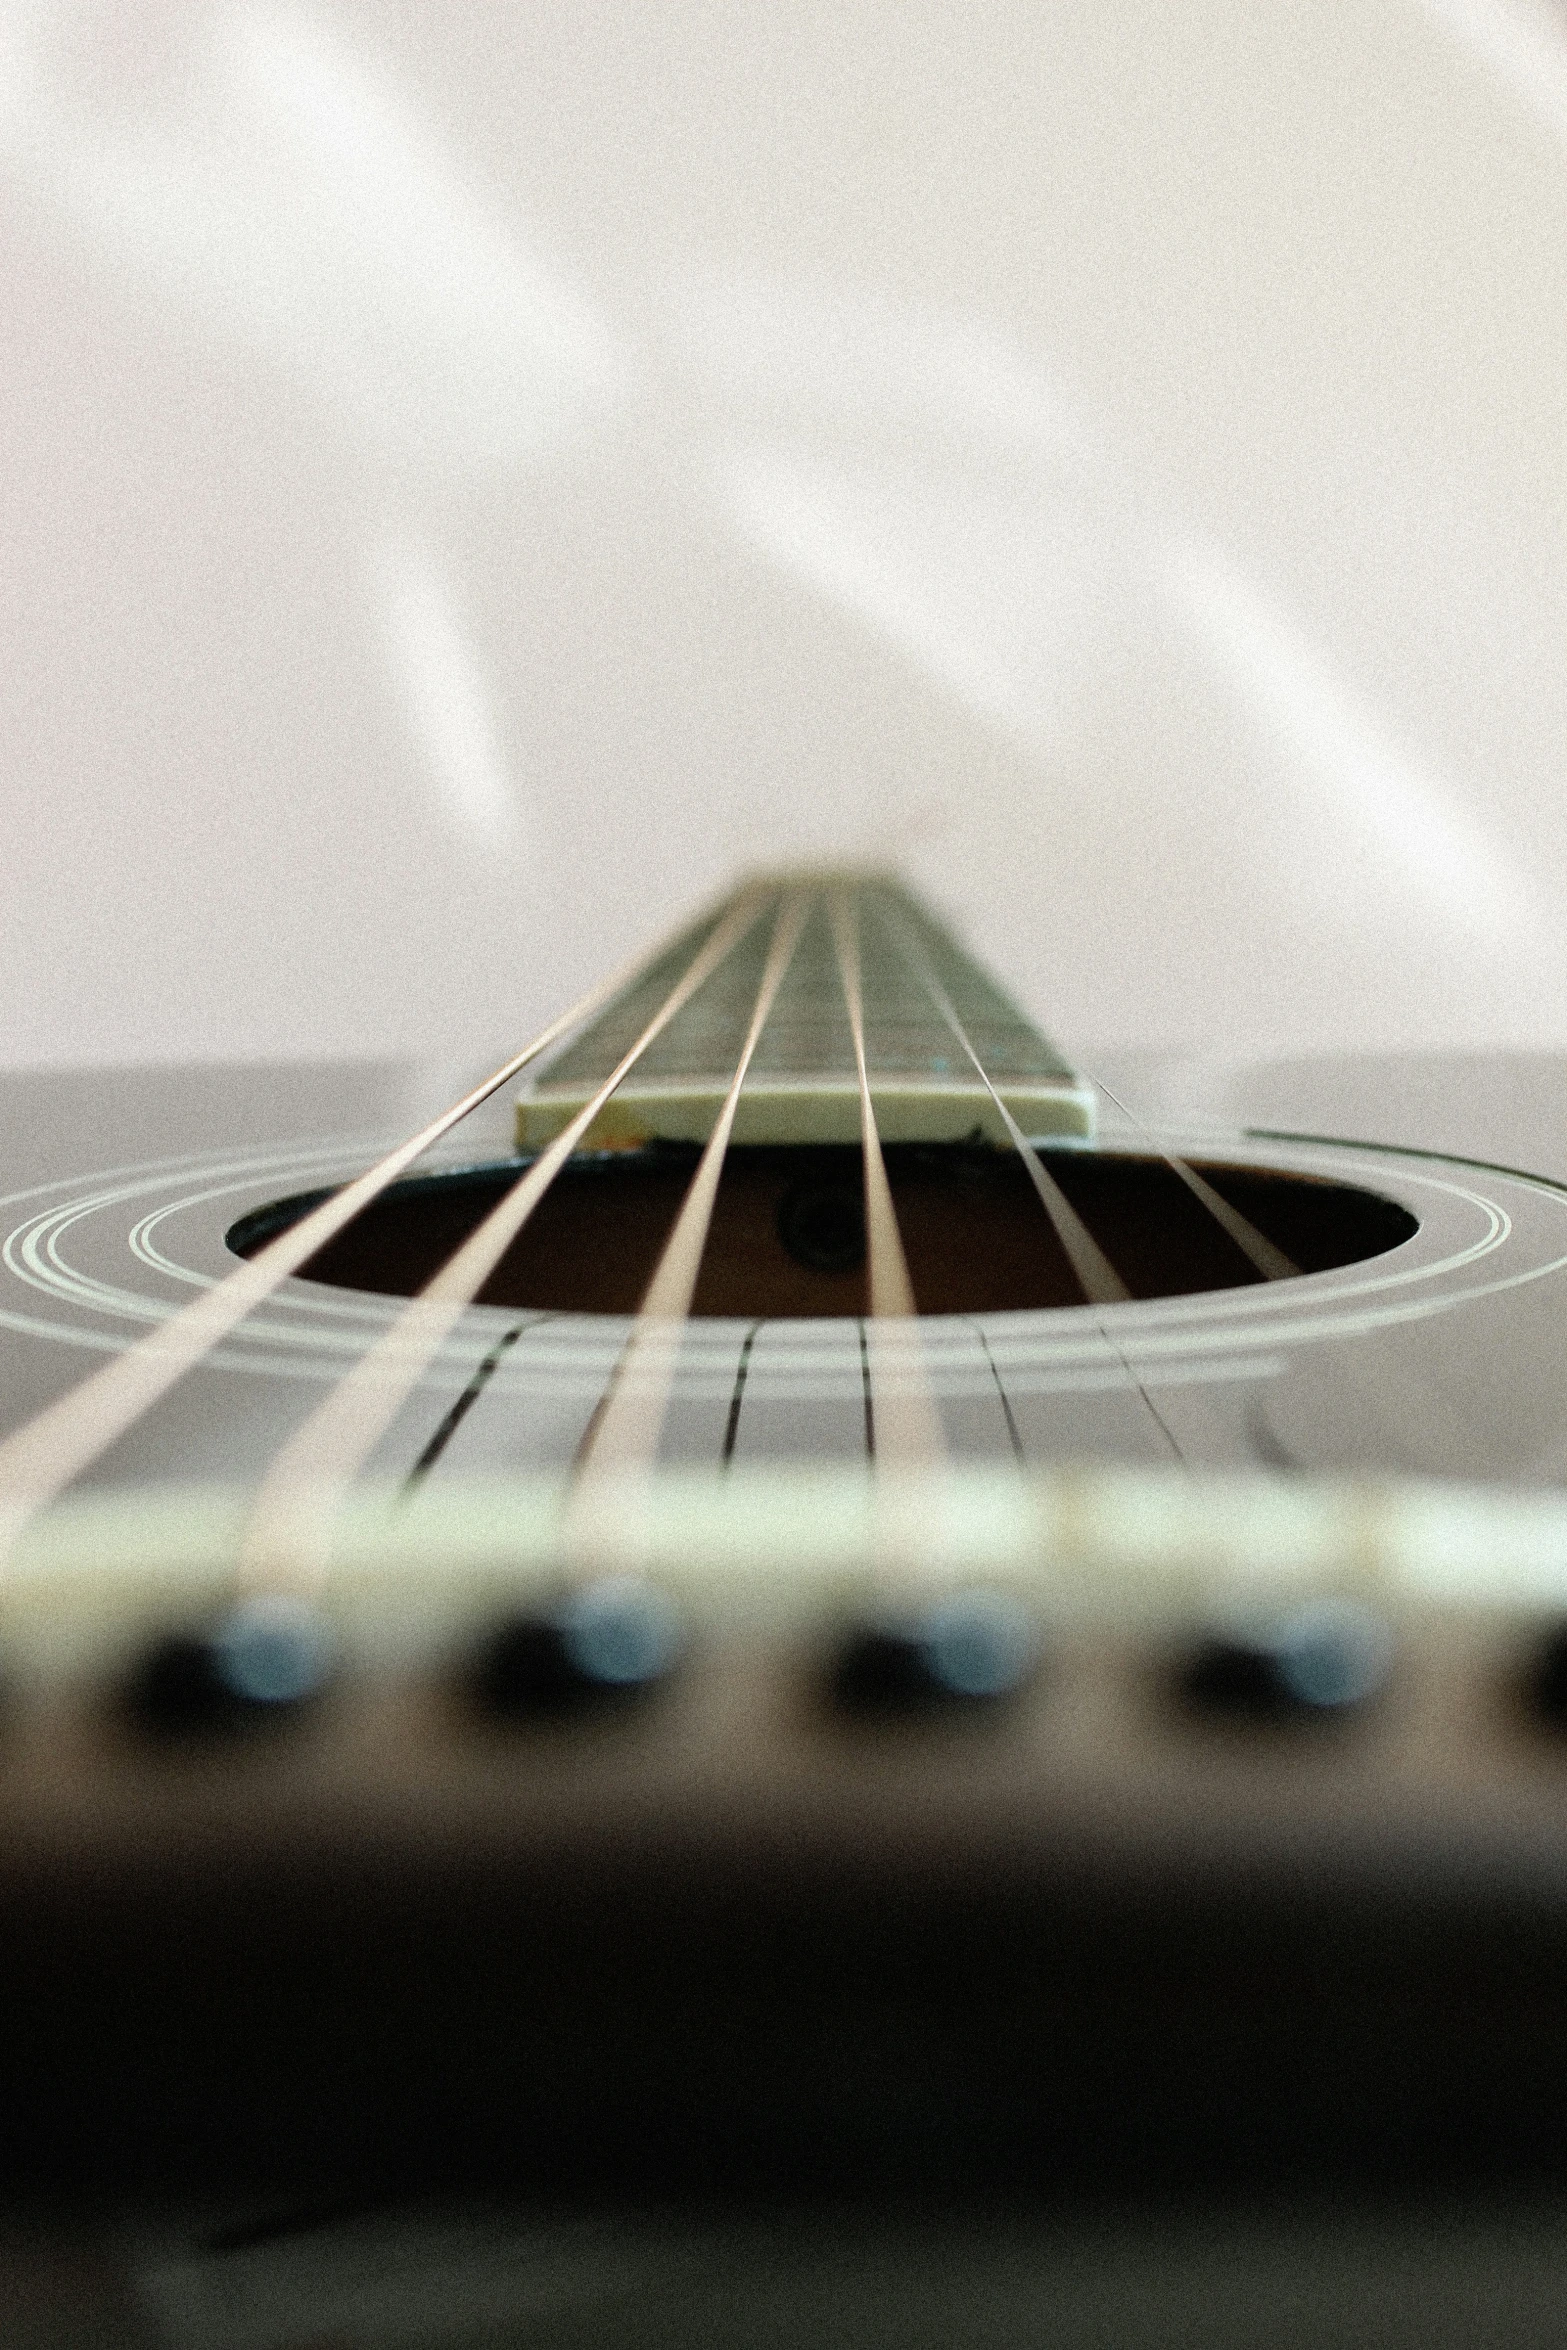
[907, 1429]
[624, 1432]
[289, 1527]
[47, 1453]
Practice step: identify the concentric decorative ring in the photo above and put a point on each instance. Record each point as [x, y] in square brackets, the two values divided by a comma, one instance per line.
[78, 1247]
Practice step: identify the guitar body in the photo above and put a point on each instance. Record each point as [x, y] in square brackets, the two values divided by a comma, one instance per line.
[746, 1939]
[958, 1736]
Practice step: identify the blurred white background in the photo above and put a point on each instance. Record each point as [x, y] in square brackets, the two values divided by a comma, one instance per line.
[475, 475]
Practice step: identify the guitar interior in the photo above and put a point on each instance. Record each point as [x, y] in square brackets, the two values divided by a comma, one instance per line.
[788, 1238]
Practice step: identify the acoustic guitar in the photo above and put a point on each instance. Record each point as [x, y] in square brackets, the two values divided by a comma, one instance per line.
[787, 1603]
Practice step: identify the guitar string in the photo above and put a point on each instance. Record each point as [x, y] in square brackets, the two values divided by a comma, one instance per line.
[288, 1530]
[1270, 1260]
[1267, 1257]
[907, 1429]
[1100, 1282]
[42, 1457]
[624, 1432]
[1098, 1279]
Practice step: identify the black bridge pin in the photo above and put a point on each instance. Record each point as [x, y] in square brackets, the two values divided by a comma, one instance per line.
[1316, 1662]
[262, 1661]
[1548, 1678]
[967, 1649]
[617, 1637]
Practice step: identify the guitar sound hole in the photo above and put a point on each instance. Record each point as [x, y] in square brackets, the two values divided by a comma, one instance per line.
[787, 1236]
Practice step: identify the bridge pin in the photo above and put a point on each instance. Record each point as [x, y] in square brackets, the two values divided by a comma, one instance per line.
[617, 1637]
[970, 1648]
[1548, 1680]
[1316, 1662]
[264, 1660]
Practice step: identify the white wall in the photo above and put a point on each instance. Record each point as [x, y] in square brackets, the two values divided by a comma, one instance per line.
[472, 475]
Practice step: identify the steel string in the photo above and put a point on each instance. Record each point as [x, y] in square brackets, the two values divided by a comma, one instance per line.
[288, 1531]
[43, 1456]
[1098, 1279]
[1270, 1260]
[908, 1431]
[625, 1432]
[1100, 1282]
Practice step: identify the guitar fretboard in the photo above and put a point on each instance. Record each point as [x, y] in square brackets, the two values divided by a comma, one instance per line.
[803, 1085]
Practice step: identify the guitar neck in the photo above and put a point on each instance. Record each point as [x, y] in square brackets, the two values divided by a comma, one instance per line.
[803, 1083]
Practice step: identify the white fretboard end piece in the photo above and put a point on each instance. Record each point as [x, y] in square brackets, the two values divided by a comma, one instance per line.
[908, 1110]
